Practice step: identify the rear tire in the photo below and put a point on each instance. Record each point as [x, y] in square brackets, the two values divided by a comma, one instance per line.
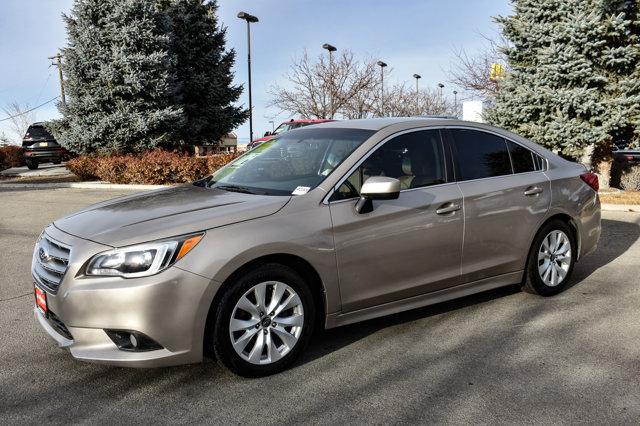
[57, 161]
[32, 165]
[254, 338]
[551, 260]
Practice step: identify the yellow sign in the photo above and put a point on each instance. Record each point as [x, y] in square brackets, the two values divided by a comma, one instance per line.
[497, 72]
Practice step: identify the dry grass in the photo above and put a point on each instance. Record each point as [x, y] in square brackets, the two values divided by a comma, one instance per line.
[626, 197]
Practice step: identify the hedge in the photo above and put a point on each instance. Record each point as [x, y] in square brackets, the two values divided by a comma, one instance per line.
[154, 167]
[11, 156]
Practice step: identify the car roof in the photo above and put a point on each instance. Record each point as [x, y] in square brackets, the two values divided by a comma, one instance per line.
[380, 123]
[305, 120]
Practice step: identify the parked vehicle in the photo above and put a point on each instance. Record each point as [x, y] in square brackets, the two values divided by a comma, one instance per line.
[41, 147]
[625, 156]
[284, 127]
[327, 225]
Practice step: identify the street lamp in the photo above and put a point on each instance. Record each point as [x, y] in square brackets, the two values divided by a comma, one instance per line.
[250, 20]
[382, 65]
[455, 102]
[417, 77]
[441, 86]
[331, 49]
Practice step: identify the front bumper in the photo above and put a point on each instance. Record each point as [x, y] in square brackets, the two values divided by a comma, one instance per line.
[171, 308]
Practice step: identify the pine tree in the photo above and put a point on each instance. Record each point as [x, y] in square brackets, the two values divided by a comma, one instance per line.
[203, 72]
[118, 79]
[142, 74]
[573, 81]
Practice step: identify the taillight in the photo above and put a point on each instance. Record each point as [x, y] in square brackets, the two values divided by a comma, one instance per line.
[629, 157]
[591, 179]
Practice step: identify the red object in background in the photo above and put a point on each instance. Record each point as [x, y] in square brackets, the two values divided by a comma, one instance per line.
[41, 300]
[591, 179]
[286, 126]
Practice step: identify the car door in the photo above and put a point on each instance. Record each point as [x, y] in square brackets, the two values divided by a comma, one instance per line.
[502, 209]
[404, 247]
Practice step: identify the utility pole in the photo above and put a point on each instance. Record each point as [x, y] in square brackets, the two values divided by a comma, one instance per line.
[58, 63]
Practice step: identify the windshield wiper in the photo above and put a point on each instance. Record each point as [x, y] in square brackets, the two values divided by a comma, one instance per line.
[235, 188]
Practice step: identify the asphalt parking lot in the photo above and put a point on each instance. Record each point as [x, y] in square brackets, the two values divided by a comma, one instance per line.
[499, 357]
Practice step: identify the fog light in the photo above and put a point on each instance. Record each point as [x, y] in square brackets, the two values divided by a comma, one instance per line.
[132, 341]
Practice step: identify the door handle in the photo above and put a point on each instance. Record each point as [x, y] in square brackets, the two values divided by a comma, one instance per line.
[532, 190]
[448, 208]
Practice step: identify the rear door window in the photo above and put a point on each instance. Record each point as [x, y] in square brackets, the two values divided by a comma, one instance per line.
[480, 155]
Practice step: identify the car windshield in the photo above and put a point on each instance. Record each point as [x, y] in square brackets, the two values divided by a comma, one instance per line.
[294, 163]
[285, 127]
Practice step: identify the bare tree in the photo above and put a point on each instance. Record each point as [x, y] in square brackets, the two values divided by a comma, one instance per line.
[403, 101]
[319, 89]
[20, 119]
[473, 72]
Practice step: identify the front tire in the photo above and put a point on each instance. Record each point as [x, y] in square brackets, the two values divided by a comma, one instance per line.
[32, 165]
[551, 259]
[264, 321]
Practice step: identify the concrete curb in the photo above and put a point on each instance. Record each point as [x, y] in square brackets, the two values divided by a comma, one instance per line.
[620, 207]
[80, 185]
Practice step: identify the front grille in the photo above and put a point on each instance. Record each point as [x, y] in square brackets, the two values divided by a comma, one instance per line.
[50, 262]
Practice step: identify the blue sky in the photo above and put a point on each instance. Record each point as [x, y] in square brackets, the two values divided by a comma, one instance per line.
[412, 36]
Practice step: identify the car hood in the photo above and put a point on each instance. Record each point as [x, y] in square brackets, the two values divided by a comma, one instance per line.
[165, 213]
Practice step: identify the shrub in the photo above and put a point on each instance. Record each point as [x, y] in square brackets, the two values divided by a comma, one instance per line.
[630, 178]
[11, 156]
[154, 167]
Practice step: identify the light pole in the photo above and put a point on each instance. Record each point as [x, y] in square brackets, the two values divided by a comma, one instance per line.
[331, 49]
[250, 20]
[441, 86]
[417, 77]
[455, 102]
[382, 65]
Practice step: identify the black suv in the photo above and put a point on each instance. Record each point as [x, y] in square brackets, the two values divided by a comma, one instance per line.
[41, 147]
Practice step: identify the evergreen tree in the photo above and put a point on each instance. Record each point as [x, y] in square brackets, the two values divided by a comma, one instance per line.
[574, 81]
[118, 79]
[142, 74]
[203, 72]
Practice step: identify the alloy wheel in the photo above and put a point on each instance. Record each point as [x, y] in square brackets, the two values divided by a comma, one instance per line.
[266, 322]
[554, 258]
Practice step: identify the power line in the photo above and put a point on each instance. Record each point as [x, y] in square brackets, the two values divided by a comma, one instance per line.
[29, 110]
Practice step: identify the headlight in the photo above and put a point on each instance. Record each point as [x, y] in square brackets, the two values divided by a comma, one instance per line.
[141, 260]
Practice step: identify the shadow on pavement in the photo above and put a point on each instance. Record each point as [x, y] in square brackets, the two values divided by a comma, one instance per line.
[435, 369]
[620, 236]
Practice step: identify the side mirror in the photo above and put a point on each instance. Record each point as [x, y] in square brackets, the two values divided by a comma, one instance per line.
[267, 134]
[377, 188]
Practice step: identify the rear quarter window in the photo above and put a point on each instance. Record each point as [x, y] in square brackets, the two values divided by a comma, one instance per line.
[480, 155]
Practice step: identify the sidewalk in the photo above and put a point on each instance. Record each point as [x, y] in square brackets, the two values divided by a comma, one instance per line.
[45, 170]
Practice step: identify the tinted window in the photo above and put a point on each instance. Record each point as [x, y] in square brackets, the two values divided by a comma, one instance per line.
[522, 158]
[480, 154]
[415, 159]
[37, 132]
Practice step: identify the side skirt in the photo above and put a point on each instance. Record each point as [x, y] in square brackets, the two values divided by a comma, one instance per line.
[462, 290]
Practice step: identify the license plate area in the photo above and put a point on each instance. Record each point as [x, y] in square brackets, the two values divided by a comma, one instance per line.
[41, 300]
